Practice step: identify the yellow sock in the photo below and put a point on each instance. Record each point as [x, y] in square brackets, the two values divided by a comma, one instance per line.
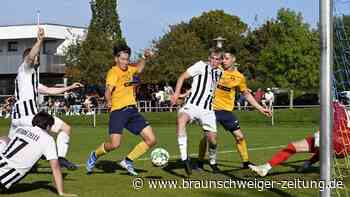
[202, 148]
[243, 150]
[100, 151]
[138, 151]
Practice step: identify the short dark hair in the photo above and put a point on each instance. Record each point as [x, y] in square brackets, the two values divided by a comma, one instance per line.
[26, 52]
[43, 120]
[121, 48]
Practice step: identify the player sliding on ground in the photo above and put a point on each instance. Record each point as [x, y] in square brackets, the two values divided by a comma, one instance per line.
[124, 114]
[223, 104]
[198, 105]
[20, 153]
[27, 90]
[341, 144]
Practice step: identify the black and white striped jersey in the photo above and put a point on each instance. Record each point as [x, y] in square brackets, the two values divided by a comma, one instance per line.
[204, 81]
[22, 152]
[26, 91]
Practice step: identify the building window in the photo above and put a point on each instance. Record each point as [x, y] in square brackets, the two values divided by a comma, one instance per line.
[50, 47]
[12, 46]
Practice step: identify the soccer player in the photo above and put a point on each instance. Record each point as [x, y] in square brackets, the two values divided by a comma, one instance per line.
[27, 89]
[19, 154]
[198, 105]
[341, 144]
[120, 98]
[223, 105]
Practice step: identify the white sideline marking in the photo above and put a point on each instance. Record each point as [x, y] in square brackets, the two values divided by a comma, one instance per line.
[219, 152]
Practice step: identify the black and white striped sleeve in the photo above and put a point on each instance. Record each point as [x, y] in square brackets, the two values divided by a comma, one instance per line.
[196, 69]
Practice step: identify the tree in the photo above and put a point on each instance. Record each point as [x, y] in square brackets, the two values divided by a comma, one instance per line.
[186, 43]
[95, 55]
[71, 59]
[176, 50]
[286, 52]
[254, 43]
[216, 23]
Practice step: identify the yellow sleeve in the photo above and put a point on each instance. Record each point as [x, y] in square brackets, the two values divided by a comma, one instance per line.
[134, 69]
[110, 79]
[243, 85]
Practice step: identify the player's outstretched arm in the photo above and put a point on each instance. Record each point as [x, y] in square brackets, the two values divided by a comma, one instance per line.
[36, 47]
[255, 104]
[108, 96]
[57, 176]
[53, 90]
[179, 83]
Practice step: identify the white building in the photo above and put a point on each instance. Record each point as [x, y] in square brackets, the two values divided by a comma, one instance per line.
[14, 39]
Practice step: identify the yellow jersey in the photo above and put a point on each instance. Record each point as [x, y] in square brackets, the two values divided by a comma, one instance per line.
[121, 85]
[225, 91]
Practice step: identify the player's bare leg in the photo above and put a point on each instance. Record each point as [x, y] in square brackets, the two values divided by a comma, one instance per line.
[182, 121]
[114, 143]
[148, 141]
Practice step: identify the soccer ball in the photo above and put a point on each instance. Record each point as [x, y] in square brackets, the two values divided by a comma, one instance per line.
[159, 157]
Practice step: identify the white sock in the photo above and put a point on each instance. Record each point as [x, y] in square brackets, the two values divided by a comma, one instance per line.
[267, 166]
[62, 144]
[212, 153]
[182, 140]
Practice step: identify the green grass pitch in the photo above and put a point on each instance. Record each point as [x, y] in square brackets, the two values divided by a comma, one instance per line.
[109, 179]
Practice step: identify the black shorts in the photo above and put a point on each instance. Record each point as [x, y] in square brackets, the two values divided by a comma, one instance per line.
[228, 120]
[128, 118]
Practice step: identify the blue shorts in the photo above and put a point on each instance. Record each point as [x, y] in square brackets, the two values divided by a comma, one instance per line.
[128, 118]
[228, 120]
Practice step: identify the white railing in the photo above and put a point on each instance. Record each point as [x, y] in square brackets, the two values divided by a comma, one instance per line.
[145, 107]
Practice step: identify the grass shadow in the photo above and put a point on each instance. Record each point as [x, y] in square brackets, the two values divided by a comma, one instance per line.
[108, 166]
[175, 165]
[112, 166]
[28, 187]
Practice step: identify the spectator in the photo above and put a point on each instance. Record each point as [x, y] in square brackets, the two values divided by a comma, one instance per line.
[268, 99]
[76, 104]
[94, 102]
[259, 94]
[242, 101]
[56, 107]
[168, 93]
[160, 96]
[88, 106]
[67, 104]
[50, 106]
